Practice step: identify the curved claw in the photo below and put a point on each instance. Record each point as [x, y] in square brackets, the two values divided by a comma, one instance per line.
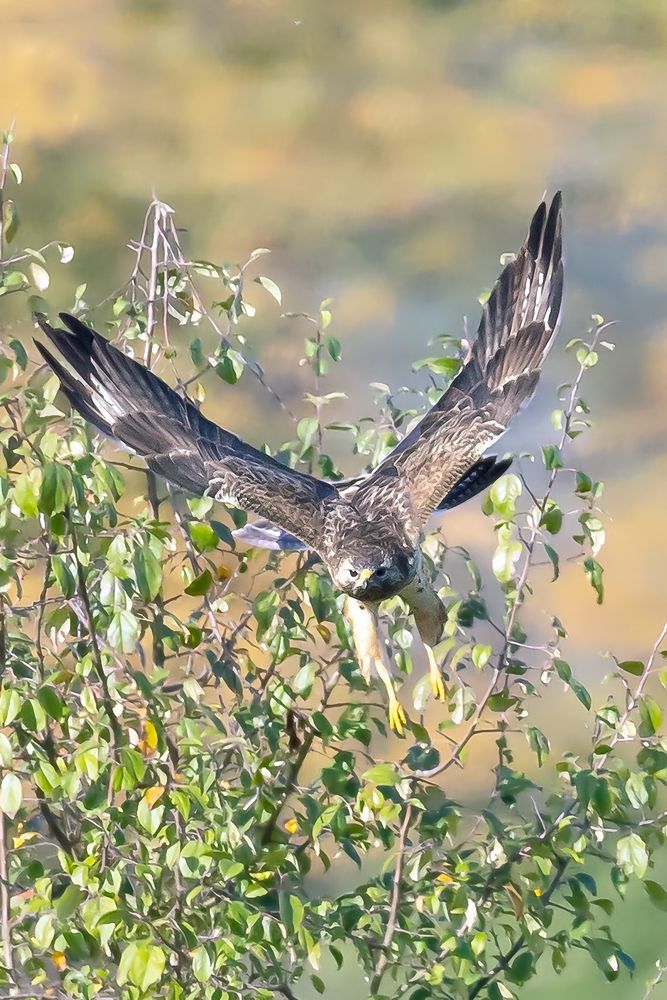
[437, 684]
[438, 687]
[397, 717]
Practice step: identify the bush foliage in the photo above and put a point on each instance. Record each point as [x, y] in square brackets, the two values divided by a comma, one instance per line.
[185, 736]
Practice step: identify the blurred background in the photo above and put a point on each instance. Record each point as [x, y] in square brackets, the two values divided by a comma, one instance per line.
[386, 154]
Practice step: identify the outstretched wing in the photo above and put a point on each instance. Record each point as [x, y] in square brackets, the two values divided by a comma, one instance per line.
[500, 375]
[126, 401]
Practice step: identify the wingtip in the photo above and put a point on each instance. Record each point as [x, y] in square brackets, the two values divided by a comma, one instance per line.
[556, 206]
[70, 321]
[40, 320]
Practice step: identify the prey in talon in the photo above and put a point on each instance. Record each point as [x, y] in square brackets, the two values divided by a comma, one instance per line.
[367, 530]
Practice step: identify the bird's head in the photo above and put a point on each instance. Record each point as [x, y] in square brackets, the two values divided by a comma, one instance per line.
[374, 573]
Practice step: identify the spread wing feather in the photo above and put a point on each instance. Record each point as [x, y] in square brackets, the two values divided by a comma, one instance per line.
[127, 402]
[499, 376]
[264, 535]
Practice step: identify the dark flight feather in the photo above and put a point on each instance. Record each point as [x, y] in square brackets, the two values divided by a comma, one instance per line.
[518, 325]
[127, 402]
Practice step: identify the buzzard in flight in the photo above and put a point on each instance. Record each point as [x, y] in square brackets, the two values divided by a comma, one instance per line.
[366, 530]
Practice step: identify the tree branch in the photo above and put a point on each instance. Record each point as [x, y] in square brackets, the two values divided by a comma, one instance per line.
[383, 960]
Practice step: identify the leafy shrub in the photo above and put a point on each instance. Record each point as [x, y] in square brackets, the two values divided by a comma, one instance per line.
[186, 737]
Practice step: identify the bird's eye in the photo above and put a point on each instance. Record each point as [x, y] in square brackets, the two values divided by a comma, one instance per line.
[353, 572]
[381, 571]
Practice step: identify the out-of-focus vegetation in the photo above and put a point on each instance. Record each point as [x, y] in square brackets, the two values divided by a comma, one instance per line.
[188, 750]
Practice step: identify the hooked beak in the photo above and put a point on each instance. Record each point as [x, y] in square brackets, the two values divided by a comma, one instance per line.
[365, 575]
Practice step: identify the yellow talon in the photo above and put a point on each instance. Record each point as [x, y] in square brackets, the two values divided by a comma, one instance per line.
[437, 684]
[397, 717]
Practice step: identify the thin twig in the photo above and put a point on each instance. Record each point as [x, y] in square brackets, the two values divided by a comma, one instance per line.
[94, 645]
[5, 900]
[383, 960]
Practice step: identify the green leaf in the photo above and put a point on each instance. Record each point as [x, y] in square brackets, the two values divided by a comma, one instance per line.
[11, 795]
[64, 576]
[382, 774]
[69, 901]
[504, 560]
[6, 754]
[522, 968]
[44, 931]
[200, 585]
[123, 632]
[10, 219]
[202, 966]
[538, 742]
[635, 667]
[334, 348]
[501, 702]
[265, 607]
[141, 964]
[306, 430]
[481, 655]
[291, 911]
[25, 496]
[552, 519]
[554, 558]
[551, 456]
[51, 702]
[651, 716]
[230, 367]
[632, 856]
[56, 488]
[563, 669]
[33, 716]
[441, 366]
[583, 483]
[303, 682]
[203, 536]
[594, 572]
[581, 693]
[656, 894]
[586, 358]
[147, 572]
[112, 593]
[504, 493]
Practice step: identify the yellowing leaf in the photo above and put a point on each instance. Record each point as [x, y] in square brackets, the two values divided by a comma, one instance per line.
[150, 734]
[292, 825]
[516, 899]
[153, 795]
[23, 838]
[223, 572]
[59, 960]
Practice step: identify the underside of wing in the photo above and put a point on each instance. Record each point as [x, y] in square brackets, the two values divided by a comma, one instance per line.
[499, 376]
[127, 402]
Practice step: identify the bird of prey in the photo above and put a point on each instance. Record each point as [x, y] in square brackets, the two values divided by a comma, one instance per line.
[367, 530]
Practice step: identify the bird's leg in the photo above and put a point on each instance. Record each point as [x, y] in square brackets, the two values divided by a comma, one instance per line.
[430, 615]
[365, 631]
